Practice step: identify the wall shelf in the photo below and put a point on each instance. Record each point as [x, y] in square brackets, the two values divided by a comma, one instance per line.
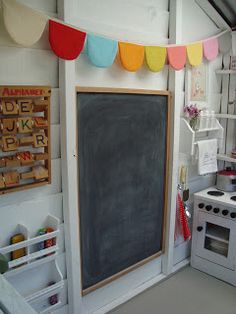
[226, 158]
[225, 116]
[191, 137]
[31, 245]
[38, 258]
[225, 72]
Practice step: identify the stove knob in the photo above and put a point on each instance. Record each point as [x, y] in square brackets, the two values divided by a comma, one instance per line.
[225, 212]
[216, 210]
[233, 215]
[199, 228]
[201, 205]
[208, 208]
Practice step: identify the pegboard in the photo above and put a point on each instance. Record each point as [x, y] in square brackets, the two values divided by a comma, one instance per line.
[25, 150]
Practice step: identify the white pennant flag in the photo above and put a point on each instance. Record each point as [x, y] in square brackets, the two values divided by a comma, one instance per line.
[24, 25]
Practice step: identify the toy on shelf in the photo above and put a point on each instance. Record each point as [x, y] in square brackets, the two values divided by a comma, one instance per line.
[25, 251]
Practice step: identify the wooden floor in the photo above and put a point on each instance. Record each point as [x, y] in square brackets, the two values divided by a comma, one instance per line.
[187, 292]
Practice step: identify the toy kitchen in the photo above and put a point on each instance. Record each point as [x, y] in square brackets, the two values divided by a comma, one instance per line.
[214, 228]
[213, 249]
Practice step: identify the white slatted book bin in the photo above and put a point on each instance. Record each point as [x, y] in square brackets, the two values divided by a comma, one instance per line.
[27, 267]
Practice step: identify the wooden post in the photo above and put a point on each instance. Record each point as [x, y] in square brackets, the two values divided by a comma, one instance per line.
[69, 157]
[175, 87]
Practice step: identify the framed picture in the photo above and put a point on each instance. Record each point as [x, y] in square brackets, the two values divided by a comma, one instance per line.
[233, 63]
[197, 85]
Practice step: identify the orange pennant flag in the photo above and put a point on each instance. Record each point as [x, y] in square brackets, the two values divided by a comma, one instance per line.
[131, 56]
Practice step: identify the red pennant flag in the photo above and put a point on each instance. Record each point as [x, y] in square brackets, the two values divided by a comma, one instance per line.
[65, 41]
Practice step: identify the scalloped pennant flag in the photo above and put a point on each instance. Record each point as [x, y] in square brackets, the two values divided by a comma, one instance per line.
[225, 42]
[155, 58]
[194, 52]
[65, 41]
[177, 57]
[24, 25]
[101, 51]
[131, 56]
[210, 48]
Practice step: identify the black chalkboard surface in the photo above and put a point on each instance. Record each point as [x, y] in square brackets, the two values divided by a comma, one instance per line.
[122, 165]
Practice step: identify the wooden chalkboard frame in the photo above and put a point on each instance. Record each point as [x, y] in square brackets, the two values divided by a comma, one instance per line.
[83, 89]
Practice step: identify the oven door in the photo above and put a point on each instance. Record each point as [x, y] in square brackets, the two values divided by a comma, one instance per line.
[216, 239]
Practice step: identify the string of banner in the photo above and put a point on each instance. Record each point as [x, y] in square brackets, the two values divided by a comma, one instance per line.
[26, 26]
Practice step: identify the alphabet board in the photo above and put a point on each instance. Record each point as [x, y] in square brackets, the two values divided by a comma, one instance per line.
[25, 154]
[123, 145]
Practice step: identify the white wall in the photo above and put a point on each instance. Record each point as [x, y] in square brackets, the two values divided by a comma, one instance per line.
[142, 23]
[137, 21]
[134, 20]
[196, 25]
[34, 66]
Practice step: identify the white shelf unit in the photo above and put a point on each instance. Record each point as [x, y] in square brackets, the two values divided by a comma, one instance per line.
[35, 259]
[226, 158]
[225, 72]
[191, 137]
[224, 115]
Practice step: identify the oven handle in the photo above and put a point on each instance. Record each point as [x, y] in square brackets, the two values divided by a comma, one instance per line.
[199, 228]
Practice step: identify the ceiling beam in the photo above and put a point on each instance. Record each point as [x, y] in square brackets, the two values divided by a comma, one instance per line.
[213, 14]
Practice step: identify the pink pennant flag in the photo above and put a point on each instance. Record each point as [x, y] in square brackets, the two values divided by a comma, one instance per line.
[210, 48]
[65, 41]
[177, 57]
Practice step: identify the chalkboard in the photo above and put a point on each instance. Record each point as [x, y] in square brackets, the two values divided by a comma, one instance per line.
[123, 153]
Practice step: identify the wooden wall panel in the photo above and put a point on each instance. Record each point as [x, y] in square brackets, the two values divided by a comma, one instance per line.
[43, 5]
[55, 141]
[23, 66]
[116, 76]
[55, 106]
[14, 199]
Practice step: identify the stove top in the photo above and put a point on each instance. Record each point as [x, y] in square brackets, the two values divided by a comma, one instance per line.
[233, 198]
[213, 195]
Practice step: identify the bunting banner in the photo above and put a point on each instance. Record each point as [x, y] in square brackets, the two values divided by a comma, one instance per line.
[155, 58]
[26, 26]
[225, 42]
[66, 42]
[194, 53]
[101, 51]
[177, 57]
[210, 48]
[131, 56]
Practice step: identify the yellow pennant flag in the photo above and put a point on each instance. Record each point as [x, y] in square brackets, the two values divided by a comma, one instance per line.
[155, 58]
[194, 52]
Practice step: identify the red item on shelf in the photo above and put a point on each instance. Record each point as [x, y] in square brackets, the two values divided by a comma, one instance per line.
[49, 242]
[182, 224]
